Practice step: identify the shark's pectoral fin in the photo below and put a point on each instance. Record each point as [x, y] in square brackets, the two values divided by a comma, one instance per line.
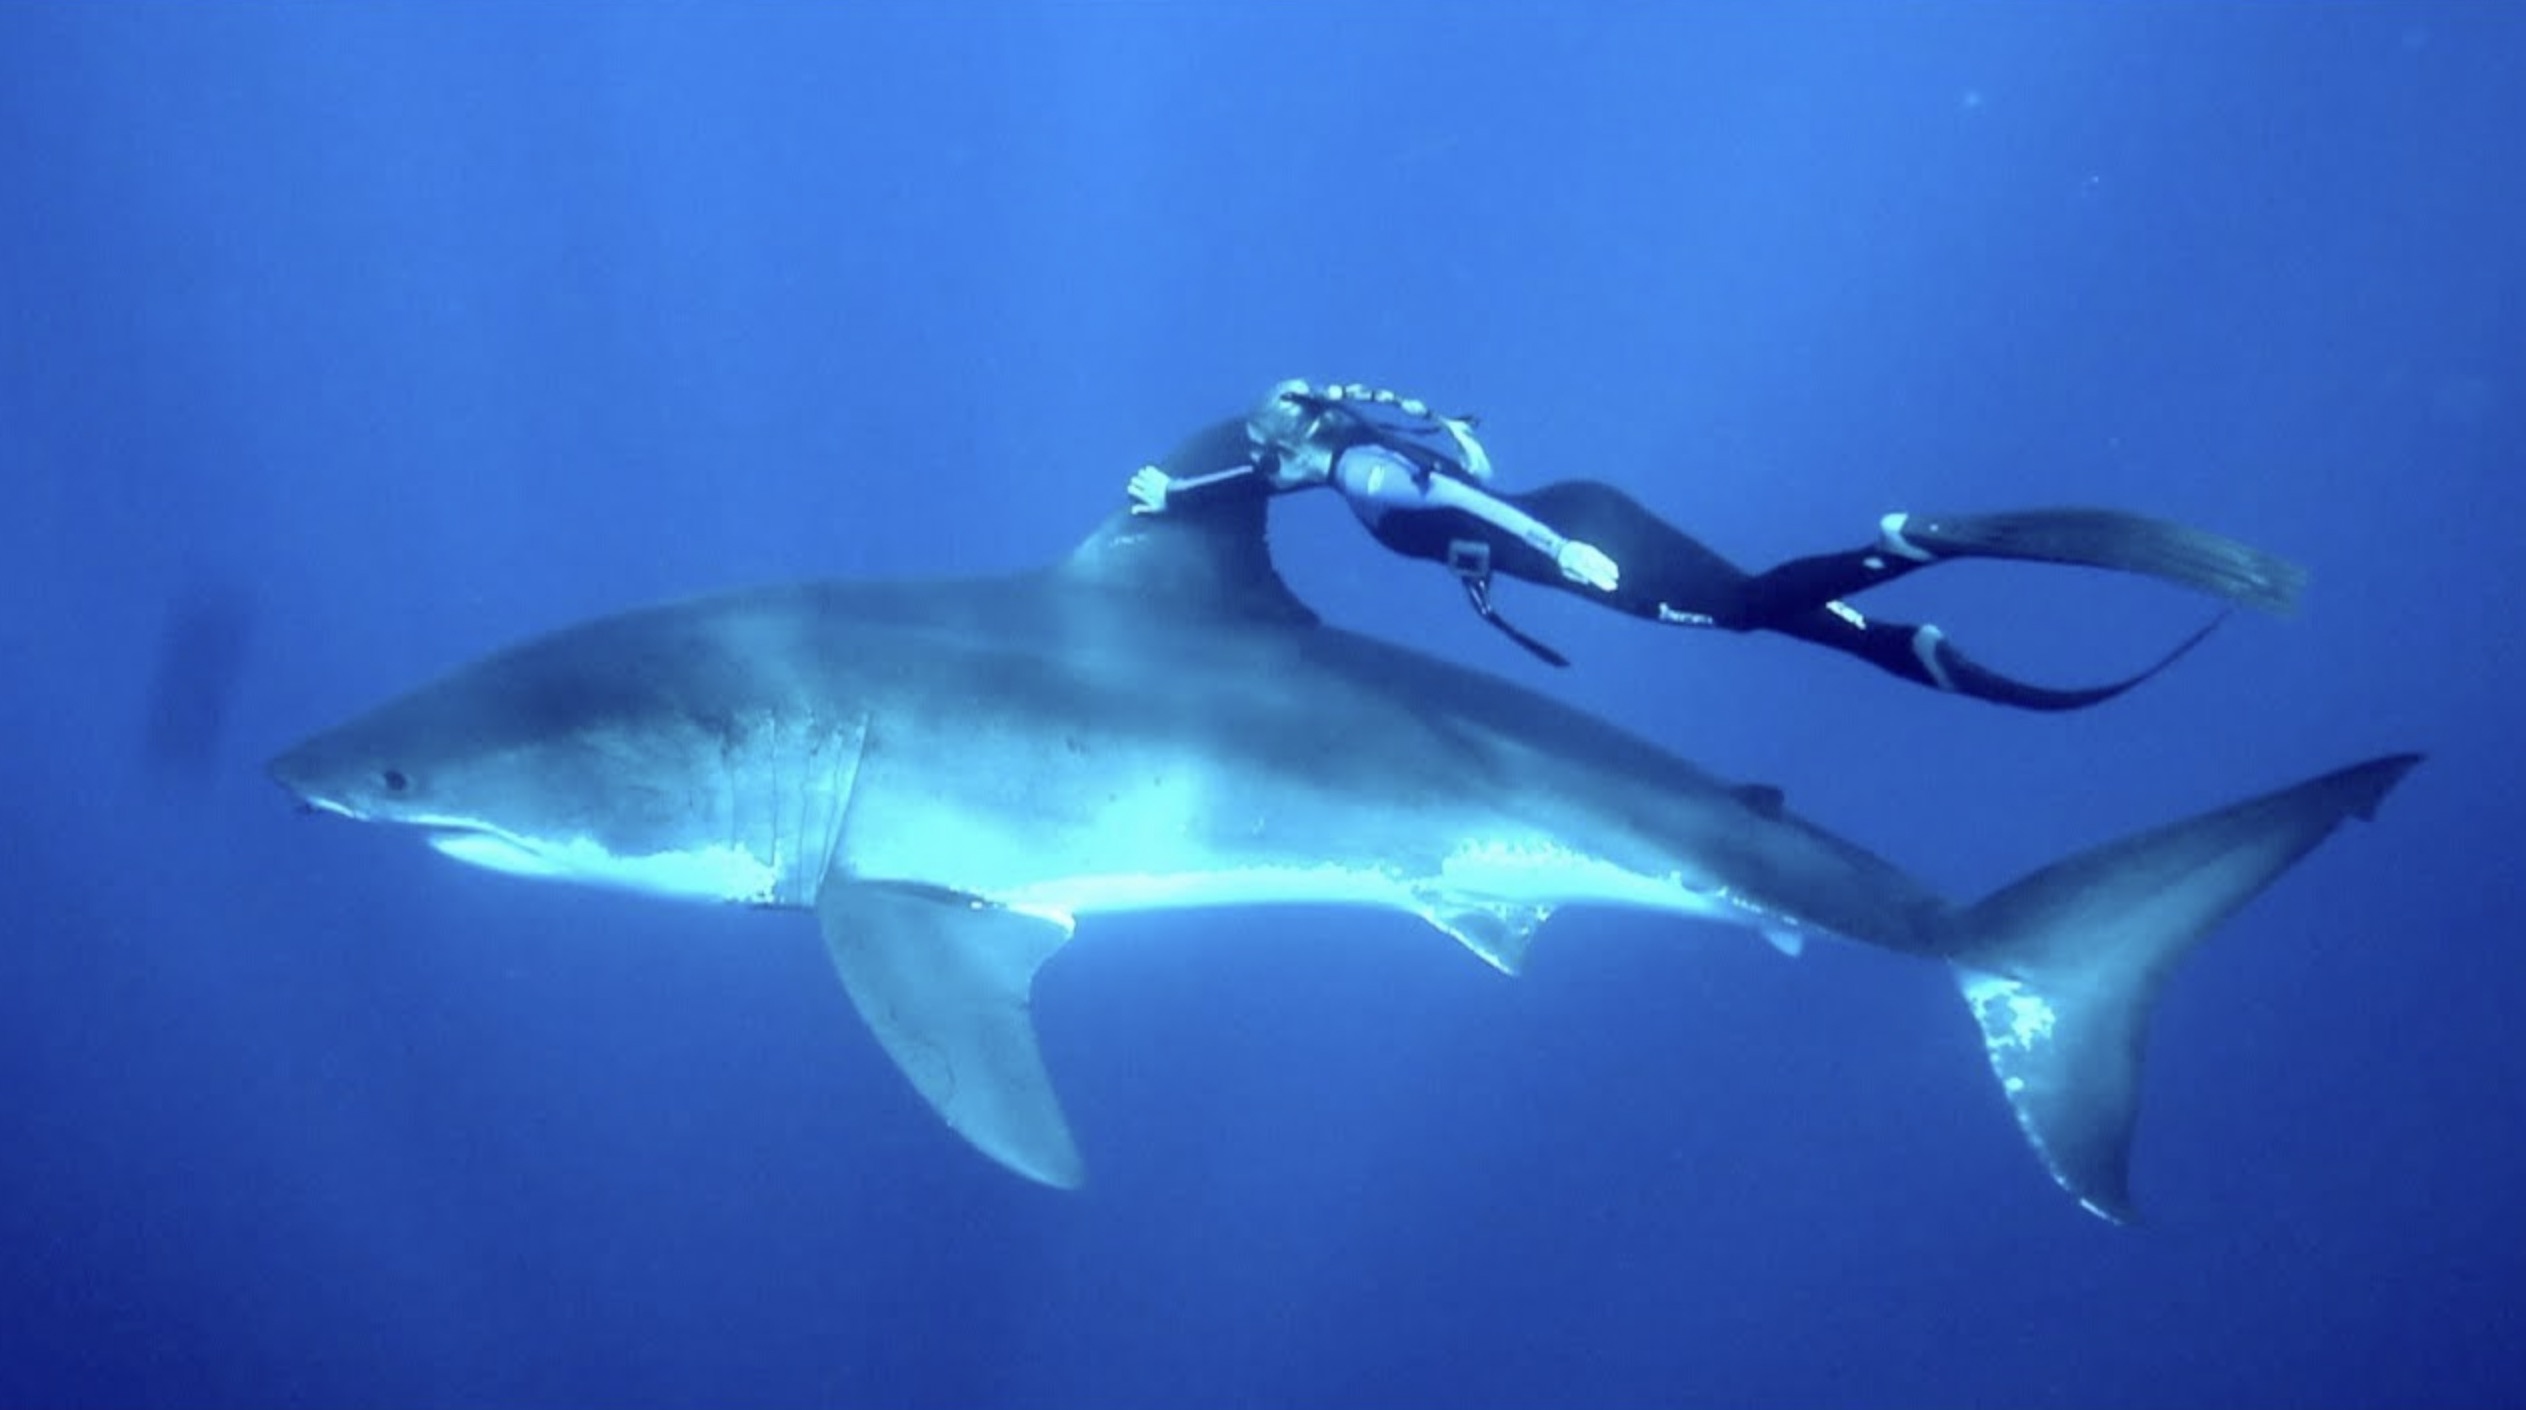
[943, 980]
[1499, 931]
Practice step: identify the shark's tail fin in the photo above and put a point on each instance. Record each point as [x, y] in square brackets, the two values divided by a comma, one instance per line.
[2062, 968]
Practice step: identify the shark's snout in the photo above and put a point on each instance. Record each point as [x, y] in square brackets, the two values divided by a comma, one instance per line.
[301, 773]
[289, 770]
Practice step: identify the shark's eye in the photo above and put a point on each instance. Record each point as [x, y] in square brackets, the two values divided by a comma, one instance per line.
[396, 780]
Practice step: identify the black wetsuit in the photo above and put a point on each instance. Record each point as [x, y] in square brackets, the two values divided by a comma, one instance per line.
[1671, 577]
[1668, 576]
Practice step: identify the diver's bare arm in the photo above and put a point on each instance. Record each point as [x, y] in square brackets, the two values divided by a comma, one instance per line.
[1154, 491]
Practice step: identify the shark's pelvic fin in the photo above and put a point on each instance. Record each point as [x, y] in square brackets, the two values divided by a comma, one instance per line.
[2062, 968]
[944, 982]
[1499, 931]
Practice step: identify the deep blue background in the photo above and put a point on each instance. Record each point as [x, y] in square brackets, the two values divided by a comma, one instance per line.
[418, 328]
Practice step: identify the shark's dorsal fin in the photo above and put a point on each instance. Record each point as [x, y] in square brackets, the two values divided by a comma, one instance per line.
[1207, 559]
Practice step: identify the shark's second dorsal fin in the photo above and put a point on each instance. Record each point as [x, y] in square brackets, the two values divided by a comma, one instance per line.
[1210, 559]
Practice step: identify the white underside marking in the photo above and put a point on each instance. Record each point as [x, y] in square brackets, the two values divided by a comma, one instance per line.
[1535, 871]
[2015, 1020]
[1327, 884]
[1531, 873]
[1534, 874]
[492, 852]
[715, 873]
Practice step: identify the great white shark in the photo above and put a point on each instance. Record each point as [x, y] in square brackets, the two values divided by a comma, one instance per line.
[949, 774]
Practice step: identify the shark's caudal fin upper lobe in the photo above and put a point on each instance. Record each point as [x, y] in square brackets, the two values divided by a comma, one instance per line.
[2062, 968]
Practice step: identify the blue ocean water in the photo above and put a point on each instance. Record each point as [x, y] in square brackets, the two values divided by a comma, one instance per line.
[340, 344]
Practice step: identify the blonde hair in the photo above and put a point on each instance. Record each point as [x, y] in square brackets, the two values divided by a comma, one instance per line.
[1286, 423]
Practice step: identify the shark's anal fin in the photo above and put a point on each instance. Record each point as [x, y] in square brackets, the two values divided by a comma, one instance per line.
[944, 982]
[1499, 931]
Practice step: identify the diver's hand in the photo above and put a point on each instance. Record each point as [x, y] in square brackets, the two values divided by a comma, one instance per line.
[1586, 563]
[1149, 486]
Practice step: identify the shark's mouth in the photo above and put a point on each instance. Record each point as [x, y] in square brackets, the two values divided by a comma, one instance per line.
[713, 872]
[491, 849]
[468, 840]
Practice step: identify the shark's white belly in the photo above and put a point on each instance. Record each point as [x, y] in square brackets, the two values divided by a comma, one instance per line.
[1151, 849]
[1136, 858]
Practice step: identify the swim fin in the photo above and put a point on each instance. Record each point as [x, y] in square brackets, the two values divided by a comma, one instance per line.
[2107, 538]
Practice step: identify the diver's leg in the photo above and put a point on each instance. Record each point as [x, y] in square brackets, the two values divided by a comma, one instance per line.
[1803, 586]
[1922, 654]
[1669, 576]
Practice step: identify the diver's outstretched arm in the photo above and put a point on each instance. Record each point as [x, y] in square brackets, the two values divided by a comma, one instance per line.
[1215, 463]
[1154, 491]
